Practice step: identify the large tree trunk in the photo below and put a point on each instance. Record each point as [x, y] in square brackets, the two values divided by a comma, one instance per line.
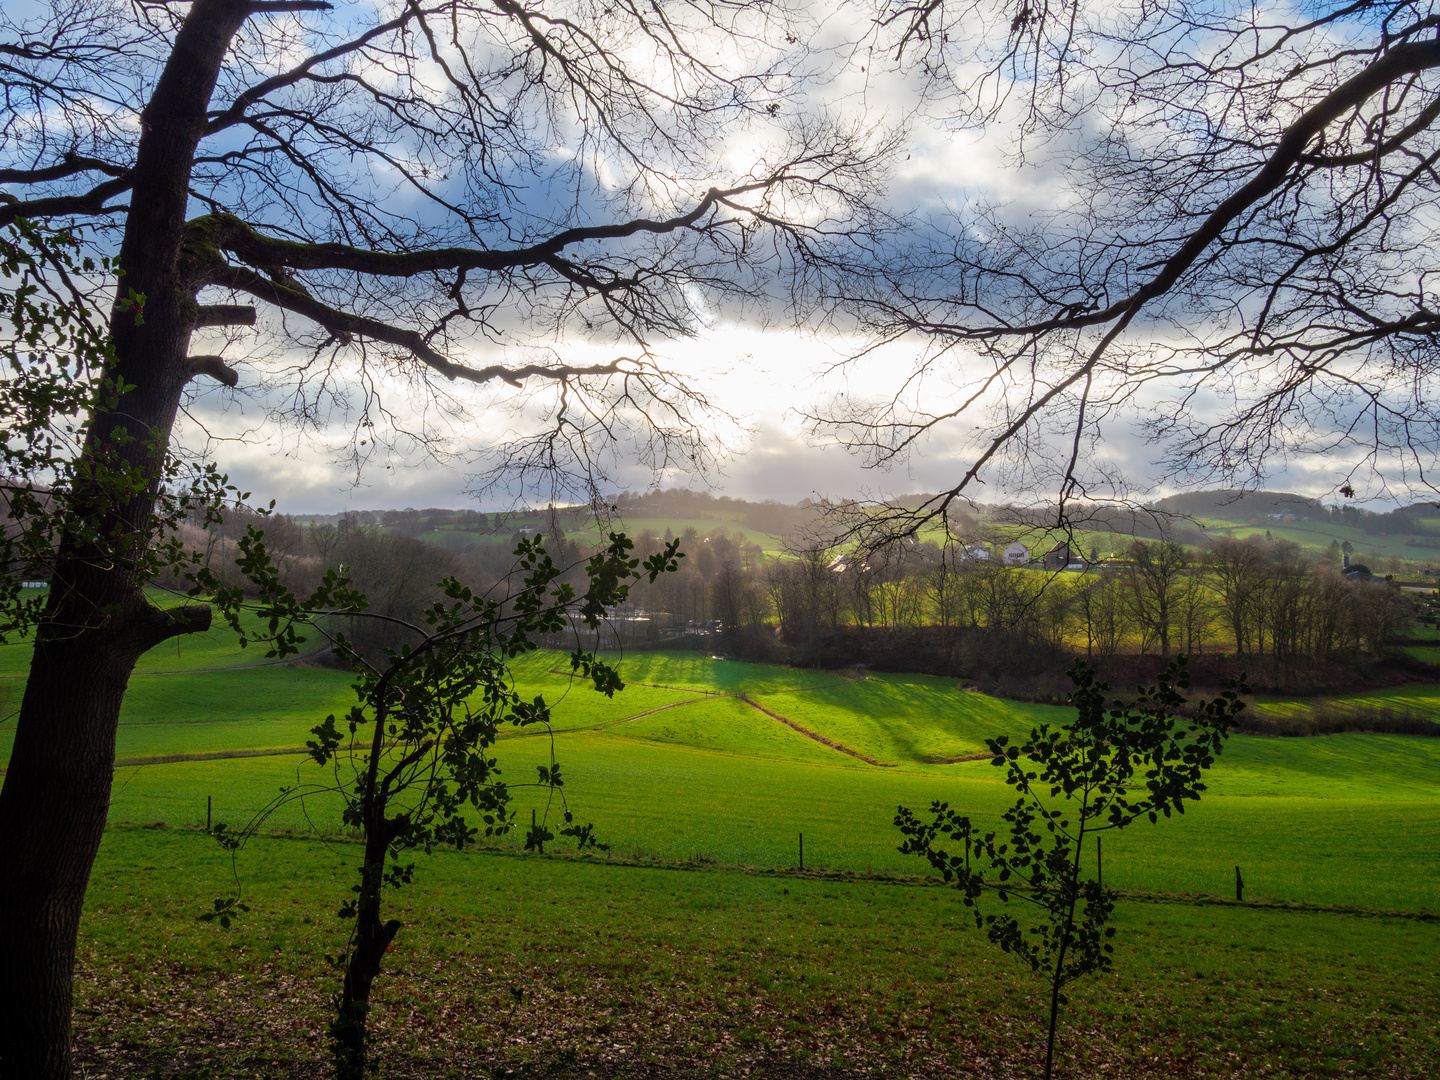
[52, 813]
[57, 787]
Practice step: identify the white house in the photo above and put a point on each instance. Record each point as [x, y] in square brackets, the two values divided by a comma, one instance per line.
[1017, 554]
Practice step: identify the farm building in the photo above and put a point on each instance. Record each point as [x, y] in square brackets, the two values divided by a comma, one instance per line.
[1017, 554]
[1060, 557]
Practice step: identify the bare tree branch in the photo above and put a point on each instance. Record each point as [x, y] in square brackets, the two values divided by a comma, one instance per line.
[91, 203]
[1234, 263]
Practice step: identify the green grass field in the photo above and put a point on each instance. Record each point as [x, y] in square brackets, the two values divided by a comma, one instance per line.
[543, 966]
[701, 797]
[216, 648]
[679, 765]
[1313, 534]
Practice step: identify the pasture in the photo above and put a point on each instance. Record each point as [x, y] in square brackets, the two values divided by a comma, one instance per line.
[682, 947]
[1417, 547]
[577, 967]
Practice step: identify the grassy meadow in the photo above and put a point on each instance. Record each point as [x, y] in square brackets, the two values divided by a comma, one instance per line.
[1424, 547]
[695, 944]
[580, 967]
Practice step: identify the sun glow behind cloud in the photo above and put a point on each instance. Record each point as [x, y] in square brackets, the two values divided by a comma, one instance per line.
[764, 379]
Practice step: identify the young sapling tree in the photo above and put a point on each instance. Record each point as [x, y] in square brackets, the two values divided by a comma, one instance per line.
[1108, 769]
[411, 758]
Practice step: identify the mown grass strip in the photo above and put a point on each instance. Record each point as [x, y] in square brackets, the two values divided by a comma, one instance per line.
[748, 700]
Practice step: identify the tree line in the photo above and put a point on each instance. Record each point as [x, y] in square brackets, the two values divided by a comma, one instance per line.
[930, 607]
[1254, 598]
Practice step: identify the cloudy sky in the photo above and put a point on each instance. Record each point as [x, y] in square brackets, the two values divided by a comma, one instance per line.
[316, 452]
[762, 375]
[763, 378]
[759, 374]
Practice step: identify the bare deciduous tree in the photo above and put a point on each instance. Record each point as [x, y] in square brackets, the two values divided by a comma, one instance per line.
[1155, 580]
[1223, 233]
[1238, 567]
[378, 190]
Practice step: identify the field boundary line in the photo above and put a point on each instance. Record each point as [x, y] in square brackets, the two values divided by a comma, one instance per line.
[821, 739]
[987, 756]
[842, 877]
[277, 751]
[216, 720]
[203, 755]
[289, 661]
[295, 661]
[651, 685]
[714, 693]
[638, 716]
[541, 730]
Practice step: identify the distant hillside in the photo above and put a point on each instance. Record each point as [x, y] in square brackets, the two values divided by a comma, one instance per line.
[1410, 533]
[1249, 506]
[1261, 507]
[770, 516]
[460, 531]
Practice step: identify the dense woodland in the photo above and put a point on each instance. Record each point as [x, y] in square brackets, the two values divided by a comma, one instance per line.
[1288, 615]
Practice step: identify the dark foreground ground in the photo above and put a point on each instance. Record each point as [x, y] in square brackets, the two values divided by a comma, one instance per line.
[559, 968]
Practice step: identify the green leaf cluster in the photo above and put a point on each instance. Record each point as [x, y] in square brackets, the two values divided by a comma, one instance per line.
[56, 355]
